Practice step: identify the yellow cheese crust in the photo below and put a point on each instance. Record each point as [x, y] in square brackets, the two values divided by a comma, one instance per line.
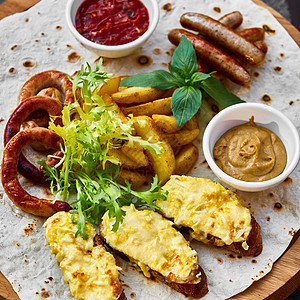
[207, 208]
[151, 242]
[91, 272]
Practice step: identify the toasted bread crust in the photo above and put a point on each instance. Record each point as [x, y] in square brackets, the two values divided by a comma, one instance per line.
[198, 290]
[191, 290]
[254, 242]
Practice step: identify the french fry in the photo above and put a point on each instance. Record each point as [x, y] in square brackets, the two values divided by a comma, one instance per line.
[166, 123]
[111, 86]
[186, 159]
[137, 95]
[136, 154]
[164, 164]
[182, 137]
[160, 106]
[135, 178]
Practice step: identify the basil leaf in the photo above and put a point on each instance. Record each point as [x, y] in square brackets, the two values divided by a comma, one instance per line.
[184, 57]
[185, 103]
[159, 79]
[198, 76]
[214, 88]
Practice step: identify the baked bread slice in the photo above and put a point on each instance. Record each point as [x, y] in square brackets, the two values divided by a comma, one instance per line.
[156, 248]
[88, 268]
[213, 214]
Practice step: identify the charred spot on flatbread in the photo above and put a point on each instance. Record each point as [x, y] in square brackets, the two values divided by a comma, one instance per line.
[167, 7]
[73, 57]
[268, 29]
[217, 9]
[277, 69]
[266, 98]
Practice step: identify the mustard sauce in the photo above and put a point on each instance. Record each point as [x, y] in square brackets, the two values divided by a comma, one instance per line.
[250, 152]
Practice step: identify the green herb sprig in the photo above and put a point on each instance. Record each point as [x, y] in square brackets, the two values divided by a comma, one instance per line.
[191, 86]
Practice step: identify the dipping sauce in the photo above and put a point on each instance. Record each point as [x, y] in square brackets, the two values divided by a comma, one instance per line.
[112, 22]
[250, 152]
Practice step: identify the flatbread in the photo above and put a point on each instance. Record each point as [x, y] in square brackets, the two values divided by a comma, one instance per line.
[39, 40]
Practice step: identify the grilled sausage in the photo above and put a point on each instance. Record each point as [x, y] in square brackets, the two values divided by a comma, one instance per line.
[252, 34]
[214, 56]
[232, 20]
[224, 36]
[10, 182]
[52, 78]
[13, 125]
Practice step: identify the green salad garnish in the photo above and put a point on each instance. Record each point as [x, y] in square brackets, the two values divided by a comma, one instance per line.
[87, 173]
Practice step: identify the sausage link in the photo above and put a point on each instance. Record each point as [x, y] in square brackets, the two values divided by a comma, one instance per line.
[233, 19]
[52, 78]
[13, 125]
[10, 182]
[262, 46]
[252, 34]
[214, 56]
[224, 36]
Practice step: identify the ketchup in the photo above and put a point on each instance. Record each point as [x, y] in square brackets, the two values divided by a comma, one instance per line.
[112, 22]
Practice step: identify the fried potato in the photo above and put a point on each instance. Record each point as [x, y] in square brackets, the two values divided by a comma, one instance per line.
[125, 161]
[166, 123]
[185, 159]
[160, 106]
[135, 178]
[164, 164]
[135, 153]
[182, 137]
[192, 123]
[111, 86]
[137, 95]
[111, 105]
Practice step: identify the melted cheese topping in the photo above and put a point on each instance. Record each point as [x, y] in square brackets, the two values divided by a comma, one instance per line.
[207, 208]
[151, 242]
[90, 271]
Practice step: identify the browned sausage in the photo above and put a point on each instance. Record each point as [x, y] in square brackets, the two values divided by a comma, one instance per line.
[214, 56]
[232, 20]
[52, 78]
[224, 36]
[262, 46]
[10, 182]
[13, 125]
[252, 34]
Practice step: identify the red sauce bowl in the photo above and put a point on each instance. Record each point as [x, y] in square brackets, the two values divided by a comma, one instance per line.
[106, 45]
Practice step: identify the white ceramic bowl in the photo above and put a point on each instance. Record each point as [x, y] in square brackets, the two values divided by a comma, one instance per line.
[119, 50]
[265, 116]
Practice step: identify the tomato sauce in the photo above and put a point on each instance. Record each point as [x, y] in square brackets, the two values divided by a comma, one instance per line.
[112, 22]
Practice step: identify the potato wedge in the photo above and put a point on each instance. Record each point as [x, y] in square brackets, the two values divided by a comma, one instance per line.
[110, 87]
[125, 161]
[137, 95]
[160, 106]
[136, 154]
[111, 105]
[192, 123]
[166, 123]
[135, 178]
[186, 159]
[182, 137]
[164, 164]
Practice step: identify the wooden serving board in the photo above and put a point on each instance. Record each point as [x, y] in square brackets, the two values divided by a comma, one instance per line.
[285, 275]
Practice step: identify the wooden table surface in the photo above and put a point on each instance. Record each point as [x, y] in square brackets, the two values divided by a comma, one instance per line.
[285, 275]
